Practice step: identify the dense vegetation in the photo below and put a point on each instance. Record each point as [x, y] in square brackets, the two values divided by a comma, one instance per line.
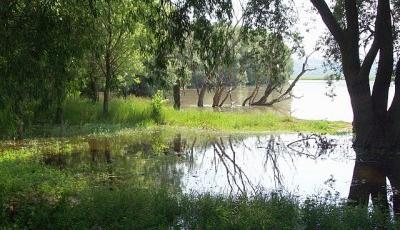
[53, 51]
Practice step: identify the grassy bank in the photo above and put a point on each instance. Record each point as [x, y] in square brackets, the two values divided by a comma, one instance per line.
[35, 195]
[83, 117]
[255, 121]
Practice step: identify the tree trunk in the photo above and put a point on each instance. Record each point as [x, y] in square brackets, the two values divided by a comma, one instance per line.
[268, 91]
[59, 115]
[251, 97]
[177, 95]
[20, 123]
[217, 96]
[60, 119]
[228, 94]
[19, 120]
[363, 114]
[93, 88]
[107, 85]
[200, 101]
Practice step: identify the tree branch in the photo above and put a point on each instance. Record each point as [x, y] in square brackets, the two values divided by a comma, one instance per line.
[369, 58]
[329, 20]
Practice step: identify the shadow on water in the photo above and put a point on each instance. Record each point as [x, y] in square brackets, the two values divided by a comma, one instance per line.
[376, 178]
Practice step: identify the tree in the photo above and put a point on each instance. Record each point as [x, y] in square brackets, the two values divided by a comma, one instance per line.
[268, 62]
[190, 19]
[40, 54]
[376, 127]
[117, 28]
[269, 27]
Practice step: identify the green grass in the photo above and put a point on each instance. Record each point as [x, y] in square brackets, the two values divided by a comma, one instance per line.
[253, 121]
[39, 196]
[84, 117]
[134, 111]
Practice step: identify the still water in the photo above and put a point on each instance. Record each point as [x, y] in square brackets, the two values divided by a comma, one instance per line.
[298, 164]
[314, 100]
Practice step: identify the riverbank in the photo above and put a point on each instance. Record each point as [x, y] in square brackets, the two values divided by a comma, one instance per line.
[83, 117]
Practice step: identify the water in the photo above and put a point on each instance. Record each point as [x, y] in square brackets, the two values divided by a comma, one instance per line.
[297, 164]
[313, 101]
[231, 165]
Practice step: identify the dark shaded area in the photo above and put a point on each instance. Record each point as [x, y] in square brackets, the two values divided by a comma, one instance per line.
[369, 181]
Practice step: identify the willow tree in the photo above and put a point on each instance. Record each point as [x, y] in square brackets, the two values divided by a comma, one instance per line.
[268, 63]
[270, 28]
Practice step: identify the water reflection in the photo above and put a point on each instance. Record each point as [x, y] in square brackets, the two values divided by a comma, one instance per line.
[273, 162]
[299, 164]
[376, 177]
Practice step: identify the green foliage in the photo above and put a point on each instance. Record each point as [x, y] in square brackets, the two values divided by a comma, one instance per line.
[157, 107]
[266, 58]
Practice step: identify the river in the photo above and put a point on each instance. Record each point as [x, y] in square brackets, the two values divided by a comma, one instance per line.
[312, 101]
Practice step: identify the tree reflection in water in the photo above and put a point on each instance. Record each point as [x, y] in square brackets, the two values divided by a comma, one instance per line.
[369, 182]
[157, 160]
[235, 174]
[276, 150]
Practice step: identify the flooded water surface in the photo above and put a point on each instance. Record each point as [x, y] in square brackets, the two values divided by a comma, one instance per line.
[298, 164]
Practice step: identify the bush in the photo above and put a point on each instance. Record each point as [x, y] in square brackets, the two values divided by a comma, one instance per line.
[157, 103]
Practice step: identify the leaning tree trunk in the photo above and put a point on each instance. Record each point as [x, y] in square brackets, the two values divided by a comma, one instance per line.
[268, 91]
[217, 96]
[250, 98]
[228, 94]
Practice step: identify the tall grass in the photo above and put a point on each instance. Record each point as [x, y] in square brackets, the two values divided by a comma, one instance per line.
[132, 111]
[82, 116]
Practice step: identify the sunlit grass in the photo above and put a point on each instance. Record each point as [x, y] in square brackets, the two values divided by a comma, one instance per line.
[85, 117]
[248, 121]
[133, 111]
